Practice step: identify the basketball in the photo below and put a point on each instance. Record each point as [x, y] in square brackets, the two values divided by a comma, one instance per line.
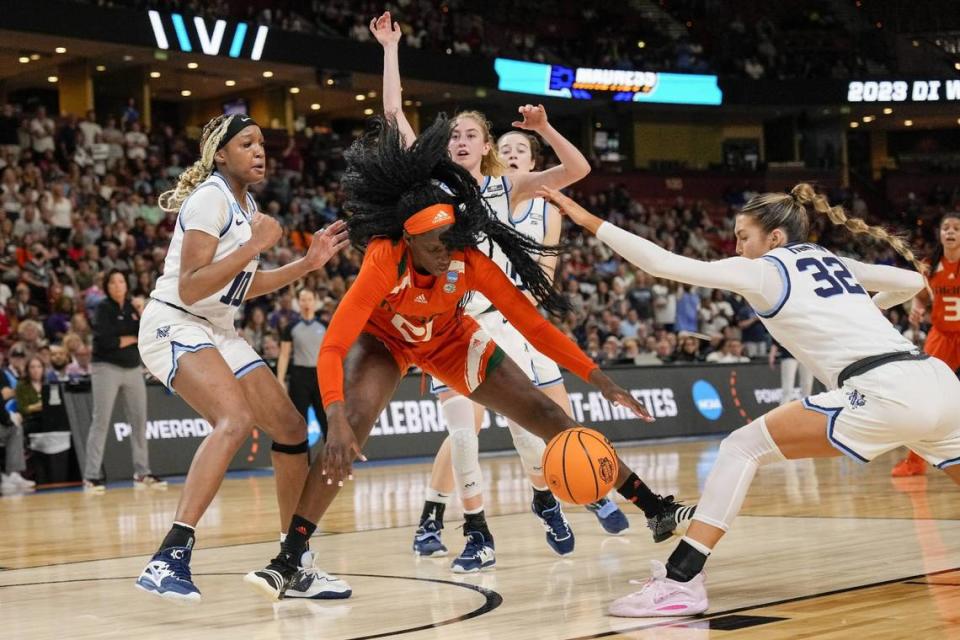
[580, 465]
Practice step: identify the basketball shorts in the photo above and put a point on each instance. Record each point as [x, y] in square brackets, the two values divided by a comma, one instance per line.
[508, 339]
[167, 333]
[944, 345]
[913, 403]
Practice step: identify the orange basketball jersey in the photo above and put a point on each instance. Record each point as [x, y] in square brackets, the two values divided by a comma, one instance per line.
[945, 283]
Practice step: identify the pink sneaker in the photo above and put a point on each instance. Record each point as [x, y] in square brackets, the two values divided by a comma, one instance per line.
[661, 596]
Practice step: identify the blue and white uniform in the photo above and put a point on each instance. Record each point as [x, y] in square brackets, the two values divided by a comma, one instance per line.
[170, 327]
[816, 305]
[541, 370]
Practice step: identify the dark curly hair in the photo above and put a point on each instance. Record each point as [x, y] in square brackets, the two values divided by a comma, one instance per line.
[385, 183]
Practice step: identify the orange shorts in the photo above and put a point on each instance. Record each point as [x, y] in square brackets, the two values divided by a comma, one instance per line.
[462, 356]
[945, 346]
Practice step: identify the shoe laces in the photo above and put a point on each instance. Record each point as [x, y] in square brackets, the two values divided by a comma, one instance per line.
[555, 521]
[180, 568]
[475, 544]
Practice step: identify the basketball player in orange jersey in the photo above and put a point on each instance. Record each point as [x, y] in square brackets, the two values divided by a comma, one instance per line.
[943, 341]
[472, 147]
[420, 217]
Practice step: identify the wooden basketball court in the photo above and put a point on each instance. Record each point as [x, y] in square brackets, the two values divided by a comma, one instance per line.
[829, 549]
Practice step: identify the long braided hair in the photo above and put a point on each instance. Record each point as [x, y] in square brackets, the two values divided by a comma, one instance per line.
[788, 211]
[385, 183]
[200, 170]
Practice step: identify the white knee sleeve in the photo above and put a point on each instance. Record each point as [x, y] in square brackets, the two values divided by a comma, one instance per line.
[741, 454]
[530, 448]
[464, 445]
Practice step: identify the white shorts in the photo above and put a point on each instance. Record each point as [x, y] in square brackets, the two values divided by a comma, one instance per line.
[912, 403]
[507, 338]
[546, 372]
[167, 333]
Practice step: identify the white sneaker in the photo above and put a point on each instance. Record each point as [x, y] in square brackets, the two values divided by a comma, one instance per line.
[20, 480]
[7, 484]
[662, 597]
[315, 584]
[149, 481]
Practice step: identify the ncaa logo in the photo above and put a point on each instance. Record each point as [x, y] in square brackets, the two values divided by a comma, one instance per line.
[707, 400]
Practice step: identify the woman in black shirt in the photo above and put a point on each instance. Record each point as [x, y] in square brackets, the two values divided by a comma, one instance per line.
[117, 373]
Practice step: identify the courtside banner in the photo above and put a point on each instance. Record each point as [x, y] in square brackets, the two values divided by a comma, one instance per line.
[685, 400]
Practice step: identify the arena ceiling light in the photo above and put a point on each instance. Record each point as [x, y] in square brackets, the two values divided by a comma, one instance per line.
[52, 79]
[34, 56]
[230, 83]
[359, 97]
[24, 59]
[368, 112]
[268, 74]
[192, 65]
[101, 67]
[869, 118]
[186, 93]
[60, 50]
[294, 90]
[408, 103]
[154, 74]
[315, 106]
[908, 123]
[887, 111]
[371, 94]
[854, 124]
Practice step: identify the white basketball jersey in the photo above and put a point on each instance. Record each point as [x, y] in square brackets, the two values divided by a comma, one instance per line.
[824, 317]
[221, 214]
[496, 194]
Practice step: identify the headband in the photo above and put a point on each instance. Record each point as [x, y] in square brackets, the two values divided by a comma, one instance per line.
[436, 215]
[237, 124]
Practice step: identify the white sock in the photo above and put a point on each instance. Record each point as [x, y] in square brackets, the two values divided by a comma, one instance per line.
[435, 496]
[473, 511]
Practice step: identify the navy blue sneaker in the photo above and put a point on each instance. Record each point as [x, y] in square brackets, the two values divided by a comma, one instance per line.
[611, 518]
[168, 575]
[559, 534]
[478, 555]
[426, 541]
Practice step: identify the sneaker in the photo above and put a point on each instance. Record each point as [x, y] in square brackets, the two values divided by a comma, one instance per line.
[674, 518]
[8, 485]
[662, 597]
[478, 555]
[559, 534]
[611, 518]
[20, 481]
[94, 486]
[426, 541]
[274, 578]
[314, 584]
[912, 465]
[149, 481]
[168, 575]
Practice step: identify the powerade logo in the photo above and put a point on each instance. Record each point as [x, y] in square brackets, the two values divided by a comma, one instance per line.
[707, 399]
[210, 42]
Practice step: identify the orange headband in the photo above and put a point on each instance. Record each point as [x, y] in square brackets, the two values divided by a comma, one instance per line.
[436, 215]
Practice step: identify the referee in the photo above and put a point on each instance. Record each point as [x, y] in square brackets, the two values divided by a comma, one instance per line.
[303, 338]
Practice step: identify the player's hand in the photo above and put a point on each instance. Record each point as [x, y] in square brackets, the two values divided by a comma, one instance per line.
[617, 395]
[327, 243]
[917, 312]
[341, 447]
[570, 209]
[534, 118]
[265, 231]
[385, 30]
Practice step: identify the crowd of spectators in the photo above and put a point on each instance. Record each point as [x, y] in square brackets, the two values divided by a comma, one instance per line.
[672, 35]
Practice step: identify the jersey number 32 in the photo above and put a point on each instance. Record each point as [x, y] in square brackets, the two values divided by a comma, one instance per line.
[833, 274]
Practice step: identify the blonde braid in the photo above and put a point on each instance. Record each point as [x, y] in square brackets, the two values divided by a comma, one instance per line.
[200, 170]
[806, 196]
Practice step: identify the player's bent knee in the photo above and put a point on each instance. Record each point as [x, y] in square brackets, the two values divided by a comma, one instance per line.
[530, 448]
[752, 443]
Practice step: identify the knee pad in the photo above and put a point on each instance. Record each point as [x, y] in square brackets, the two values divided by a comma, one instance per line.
[291, 449]
[740, 455]
[464, 446]
[530, 448]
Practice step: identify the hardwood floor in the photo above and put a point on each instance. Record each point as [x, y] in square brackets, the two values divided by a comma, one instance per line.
[828, 549]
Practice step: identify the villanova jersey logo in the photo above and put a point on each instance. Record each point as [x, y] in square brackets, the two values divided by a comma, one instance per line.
[163, 332]
[856, 399]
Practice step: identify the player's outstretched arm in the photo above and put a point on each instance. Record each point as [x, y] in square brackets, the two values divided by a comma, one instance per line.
[756, 280]
[387, 32]
[573, 165]
[893, 285]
